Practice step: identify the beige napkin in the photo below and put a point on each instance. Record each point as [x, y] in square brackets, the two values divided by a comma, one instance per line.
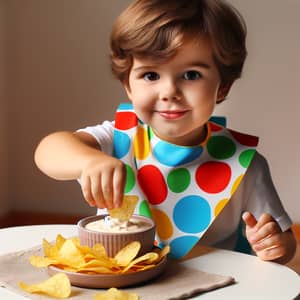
[177, 282]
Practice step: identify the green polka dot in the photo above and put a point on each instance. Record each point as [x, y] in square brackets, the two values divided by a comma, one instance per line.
[130, 179]
[144, 209]
[245, 157]
[150, 133]
[221, 147]
[178, 180]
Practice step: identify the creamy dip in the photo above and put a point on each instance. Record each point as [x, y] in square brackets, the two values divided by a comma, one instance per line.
[109, 224]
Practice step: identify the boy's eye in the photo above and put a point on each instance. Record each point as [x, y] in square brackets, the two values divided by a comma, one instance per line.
[191, 75]
[151, 76]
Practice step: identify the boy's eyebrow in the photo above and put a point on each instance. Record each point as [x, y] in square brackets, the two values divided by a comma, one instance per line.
[199, 64]
[189, 64]
[141, 68]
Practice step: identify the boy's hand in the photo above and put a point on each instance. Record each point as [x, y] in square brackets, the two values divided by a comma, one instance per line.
[266, 237]
[102, 181]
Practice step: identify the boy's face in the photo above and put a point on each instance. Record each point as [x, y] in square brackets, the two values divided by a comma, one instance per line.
[177, 97]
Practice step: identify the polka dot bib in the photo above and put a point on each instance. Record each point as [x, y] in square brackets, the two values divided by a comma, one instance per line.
[182, 188]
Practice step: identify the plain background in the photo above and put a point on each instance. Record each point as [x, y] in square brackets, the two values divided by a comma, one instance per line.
[54, 75]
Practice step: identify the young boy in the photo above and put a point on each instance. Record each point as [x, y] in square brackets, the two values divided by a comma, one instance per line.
[176, 60]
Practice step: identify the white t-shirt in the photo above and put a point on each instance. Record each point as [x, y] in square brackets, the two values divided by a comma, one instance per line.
[256, 194]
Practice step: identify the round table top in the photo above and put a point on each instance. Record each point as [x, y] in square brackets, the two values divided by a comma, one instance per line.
[255, 279]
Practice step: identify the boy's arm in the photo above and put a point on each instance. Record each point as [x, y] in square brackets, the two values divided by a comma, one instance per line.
[62, 155]
[67, 155]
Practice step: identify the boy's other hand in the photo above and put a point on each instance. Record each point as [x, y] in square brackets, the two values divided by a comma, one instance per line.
[103, 180]
[266, 237]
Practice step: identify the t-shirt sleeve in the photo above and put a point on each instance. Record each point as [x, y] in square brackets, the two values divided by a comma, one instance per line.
[103, 134]
[262, 195]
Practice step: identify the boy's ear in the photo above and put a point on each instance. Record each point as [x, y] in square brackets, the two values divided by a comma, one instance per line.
[223, 92]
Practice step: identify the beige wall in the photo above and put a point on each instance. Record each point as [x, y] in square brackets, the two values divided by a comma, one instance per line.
[59, 79]
[266, 101]
[4, 203]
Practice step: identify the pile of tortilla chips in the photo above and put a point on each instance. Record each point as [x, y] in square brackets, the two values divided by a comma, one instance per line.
[69, 255]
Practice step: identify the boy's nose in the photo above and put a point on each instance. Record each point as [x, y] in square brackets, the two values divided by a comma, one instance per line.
[170, 91]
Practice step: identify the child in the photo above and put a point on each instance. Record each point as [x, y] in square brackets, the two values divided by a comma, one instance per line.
[176, 60]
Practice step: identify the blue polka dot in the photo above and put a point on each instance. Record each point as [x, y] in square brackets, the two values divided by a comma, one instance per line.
[182, 245]
[121, 144]
[192, 214]
[174, 155]
[125, 106]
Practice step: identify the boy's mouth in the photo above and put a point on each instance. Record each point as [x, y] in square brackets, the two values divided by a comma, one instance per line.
[172, 114]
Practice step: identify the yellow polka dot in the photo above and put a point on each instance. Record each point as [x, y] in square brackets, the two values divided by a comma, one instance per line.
[163, 224]
[221, 204]
[141, 143]
[236, 184]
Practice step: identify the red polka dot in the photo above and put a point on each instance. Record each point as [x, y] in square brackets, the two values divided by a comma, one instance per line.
[245, 139]
[215, 127]
[152, 184]
[213, 177]
[125, 120]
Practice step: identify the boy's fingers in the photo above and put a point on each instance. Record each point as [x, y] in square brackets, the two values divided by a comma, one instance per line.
[107, 189]
[86, 190]
[249, 219]
[263, 232]
[264, 219]
[271, 253]
[94, 188]
[267, 243]
[97, 192]
[118, 183]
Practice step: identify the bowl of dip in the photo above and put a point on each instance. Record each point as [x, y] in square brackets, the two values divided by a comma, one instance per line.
[114, 234]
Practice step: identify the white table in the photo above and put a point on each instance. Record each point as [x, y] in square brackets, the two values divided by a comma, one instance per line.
[255, 279]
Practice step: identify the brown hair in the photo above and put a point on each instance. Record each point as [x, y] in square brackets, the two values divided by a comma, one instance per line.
[157, 28]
